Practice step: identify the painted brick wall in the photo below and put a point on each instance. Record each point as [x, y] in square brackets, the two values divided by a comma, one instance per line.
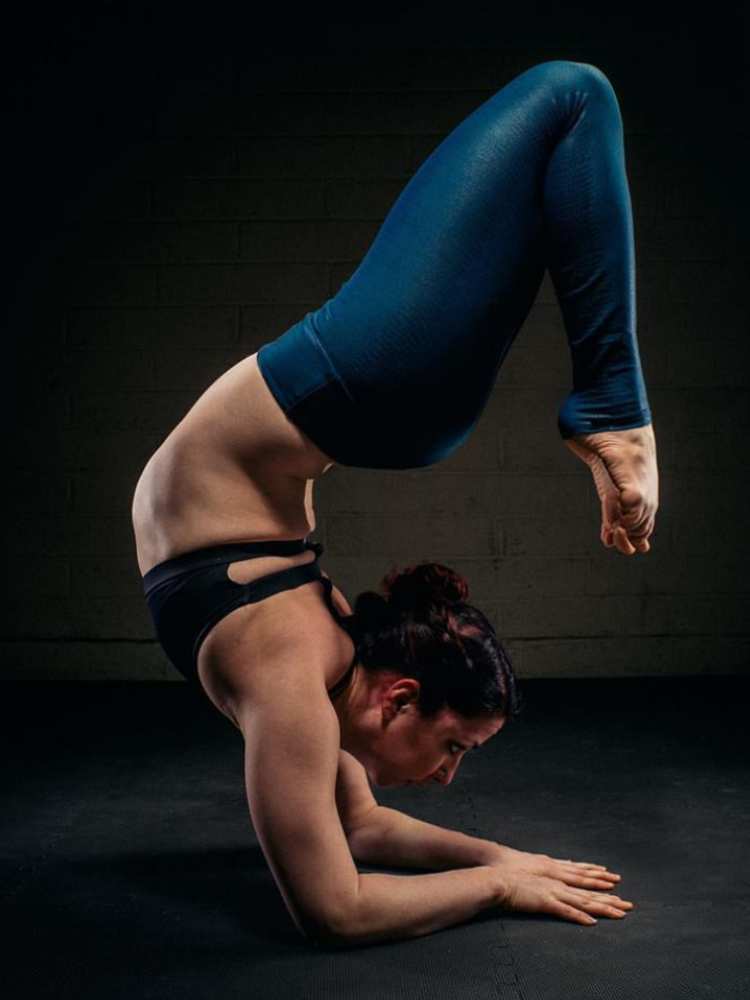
[235, 205]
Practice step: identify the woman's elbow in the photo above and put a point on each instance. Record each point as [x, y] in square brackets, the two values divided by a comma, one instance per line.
[326, 935]
[327, 930]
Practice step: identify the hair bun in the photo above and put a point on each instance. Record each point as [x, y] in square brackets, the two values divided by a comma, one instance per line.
[372, 611]
[417, 587]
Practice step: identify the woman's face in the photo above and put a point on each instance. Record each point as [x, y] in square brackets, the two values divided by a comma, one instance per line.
[409, 749]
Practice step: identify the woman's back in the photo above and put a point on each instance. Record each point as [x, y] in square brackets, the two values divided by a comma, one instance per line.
[234, 468]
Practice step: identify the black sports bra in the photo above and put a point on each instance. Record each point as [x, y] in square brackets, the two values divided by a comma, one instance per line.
[188, 594]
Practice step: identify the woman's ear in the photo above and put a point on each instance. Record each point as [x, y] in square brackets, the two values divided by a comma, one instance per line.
[399, 696]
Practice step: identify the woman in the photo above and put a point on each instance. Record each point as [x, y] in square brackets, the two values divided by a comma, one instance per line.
[393, 372]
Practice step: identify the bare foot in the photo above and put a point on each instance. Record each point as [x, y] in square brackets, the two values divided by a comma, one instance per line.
[623, 464]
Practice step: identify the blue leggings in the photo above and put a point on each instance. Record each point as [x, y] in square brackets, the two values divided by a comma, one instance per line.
[396, 368]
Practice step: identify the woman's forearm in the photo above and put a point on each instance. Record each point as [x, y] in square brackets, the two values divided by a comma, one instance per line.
[393, 839]
[393, 907]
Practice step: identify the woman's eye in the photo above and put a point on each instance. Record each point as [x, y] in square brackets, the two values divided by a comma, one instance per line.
[457, 748]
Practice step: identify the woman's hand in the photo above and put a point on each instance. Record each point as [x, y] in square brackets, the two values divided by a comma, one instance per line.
[537, 883]
[579, 873]
[623, 464]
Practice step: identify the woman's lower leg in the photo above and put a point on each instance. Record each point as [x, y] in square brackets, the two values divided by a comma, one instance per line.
[590, 254]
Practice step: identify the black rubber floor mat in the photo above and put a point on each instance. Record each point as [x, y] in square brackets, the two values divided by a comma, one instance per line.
[130, 868]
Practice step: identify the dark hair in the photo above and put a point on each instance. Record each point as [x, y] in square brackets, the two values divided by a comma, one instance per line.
[423, 626]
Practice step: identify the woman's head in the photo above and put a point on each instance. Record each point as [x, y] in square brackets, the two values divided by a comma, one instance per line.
[437, 679]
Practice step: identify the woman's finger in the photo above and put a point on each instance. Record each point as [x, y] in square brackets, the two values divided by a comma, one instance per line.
[582, 870]
[588, 878]
[588, 881]
[580, 864]
[585, 879]
[597, 902]
[648, 529]
[604, 909]
[572, 913]
[586, 896]
[622, 541]
[641, 534]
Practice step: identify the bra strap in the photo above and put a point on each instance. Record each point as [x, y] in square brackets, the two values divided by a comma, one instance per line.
[216, 555]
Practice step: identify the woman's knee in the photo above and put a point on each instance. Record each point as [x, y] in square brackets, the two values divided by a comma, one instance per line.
[576, 83]
[567, 72]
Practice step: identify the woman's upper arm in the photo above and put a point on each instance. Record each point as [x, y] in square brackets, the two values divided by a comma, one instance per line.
[292, 741]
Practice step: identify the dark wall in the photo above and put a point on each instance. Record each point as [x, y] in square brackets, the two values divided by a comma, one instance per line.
[182, 185]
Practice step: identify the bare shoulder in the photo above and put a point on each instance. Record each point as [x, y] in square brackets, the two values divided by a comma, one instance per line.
[293, 638]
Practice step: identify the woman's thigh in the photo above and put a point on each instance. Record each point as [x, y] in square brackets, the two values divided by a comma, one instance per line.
[452, 273]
